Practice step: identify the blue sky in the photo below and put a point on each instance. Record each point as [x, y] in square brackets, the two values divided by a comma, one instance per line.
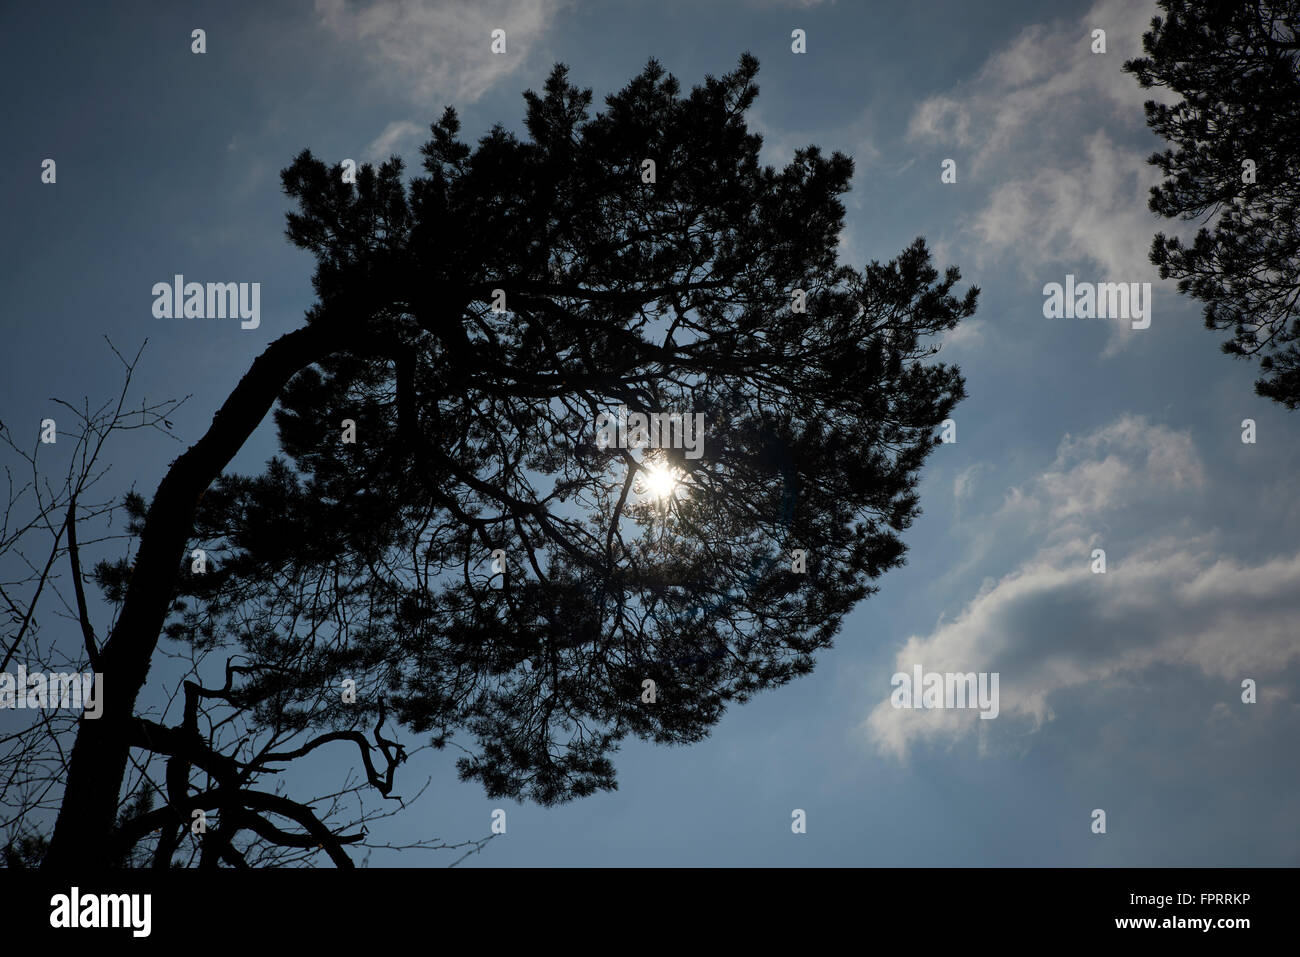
[1118, 691]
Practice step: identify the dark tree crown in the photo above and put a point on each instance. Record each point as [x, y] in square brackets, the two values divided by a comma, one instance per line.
[476, 431]
[1235, 67]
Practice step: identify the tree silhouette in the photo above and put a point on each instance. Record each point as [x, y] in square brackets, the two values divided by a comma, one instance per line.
[477, 562]
[1235, 134]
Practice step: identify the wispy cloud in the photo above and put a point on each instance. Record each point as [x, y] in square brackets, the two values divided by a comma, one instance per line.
[1044, 87]
[440, 49]
[1054, 134]
[395, 135]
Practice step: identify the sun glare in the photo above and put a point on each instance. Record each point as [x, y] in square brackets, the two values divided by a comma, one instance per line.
[660, 480]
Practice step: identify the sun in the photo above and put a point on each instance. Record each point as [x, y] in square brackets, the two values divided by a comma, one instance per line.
[660, 480]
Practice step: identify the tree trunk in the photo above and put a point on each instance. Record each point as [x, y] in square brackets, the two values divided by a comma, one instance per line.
[98, 762]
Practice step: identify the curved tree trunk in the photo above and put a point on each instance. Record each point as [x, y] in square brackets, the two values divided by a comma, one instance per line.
[98, 761]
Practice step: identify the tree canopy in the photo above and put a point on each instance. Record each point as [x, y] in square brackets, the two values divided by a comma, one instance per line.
[476, 561]
[1234, 161]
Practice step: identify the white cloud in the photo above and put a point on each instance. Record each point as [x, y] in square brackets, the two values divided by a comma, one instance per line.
[1169, 599]
[964, 483]
[1042, 85]
[440, 50]
[1044, 129]
[1094, 208]
[394, 136]
[967, 334]
[1118, 464]
[941, 117]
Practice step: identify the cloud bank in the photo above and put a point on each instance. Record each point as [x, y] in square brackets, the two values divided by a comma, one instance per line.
[1168, 598]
